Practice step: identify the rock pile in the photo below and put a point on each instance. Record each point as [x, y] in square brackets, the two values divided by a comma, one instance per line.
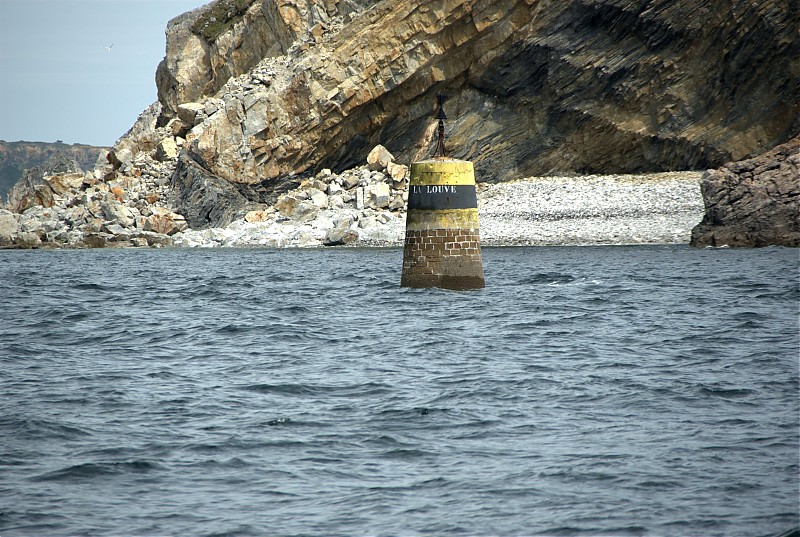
[351, 209]
[16, 157]
[131, 204]
[125, 201]
[39, 184]
[93, 213]
[364, 205]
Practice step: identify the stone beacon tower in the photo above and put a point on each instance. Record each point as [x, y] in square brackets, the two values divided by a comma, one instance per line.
[442, 245]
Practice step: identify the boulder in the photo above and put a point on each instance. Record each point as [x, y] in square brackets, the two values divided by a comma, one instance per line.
[754, 202]
[336, 201]
[165, 222]
[286, 204]
[92, 225]
[191, 113]
[341, 233]
[398, 173]
[177, 128]
[119, 232]
[167, 149]
[305, 211]
[350, 179]
[97, 240]
[116, 212]
[379, 158]
[23, 196]
[397, 203]
[334, 189]
[258, 216]
[120, 158]
[118, 192]
[63, 183]
[318, 198]
[376, 196]
[27, 239]
[9, 223]
[76, 215]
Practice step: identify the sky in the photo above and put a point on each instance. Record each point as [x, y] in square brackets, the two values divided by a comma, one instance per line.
[59, 81]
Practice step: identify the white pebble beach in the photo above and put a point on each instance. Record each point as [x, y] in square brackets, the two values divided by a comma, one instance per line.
[658, 208]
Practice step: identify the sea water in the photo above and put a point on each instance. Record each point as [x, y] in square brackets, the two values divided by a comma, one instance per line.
[585, 391]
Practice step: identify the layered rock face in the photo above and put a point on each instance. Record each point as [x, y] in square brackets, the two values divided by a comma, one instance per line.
[225, 38]
[279, 87]
[754, 202]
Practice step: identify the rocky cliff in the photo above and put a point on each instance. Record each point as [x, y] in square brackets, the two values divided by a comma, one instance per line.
[223, 39]
[265, 88]
[265, 104]
[754, 202]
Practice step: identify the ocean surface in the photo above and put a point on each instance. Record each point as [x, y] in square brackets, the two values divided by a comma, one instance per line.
[586, 391]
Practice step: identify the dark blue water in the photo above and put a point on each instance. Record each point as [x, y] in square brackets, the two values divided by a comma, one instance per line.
[585, 391]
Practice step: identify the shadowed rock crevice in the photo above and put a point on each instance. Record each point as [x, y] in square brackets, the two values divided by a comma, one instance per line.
[209, 201]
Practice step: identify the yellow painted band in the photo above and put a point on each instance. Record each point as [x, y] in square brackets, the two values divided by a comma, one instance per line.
[419, 220]
[442, 172]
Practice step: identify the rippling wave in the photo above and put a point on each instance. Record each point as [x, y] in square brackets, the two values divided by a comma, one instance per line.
[585, 391]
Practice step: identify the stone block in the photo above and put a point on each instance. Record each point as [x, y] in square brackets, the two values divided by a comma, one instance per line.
[379, 158]
[190, 113]
[360, 198]
[319, 199]
[63, 183]
[257, 216]
[8, 226]
[376, 196]
[167, 149]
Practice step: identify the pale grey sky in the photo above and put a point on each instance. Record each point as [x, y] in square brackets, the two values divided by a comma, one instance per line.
[58, 81]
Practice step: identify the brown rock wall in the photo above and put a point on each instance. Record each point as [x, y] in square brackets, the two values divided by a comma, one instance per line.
[536, 86]
[755, 202]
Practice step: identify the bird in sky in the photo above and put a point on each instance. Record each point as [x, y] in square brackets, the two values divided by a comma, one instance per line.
[108, 48]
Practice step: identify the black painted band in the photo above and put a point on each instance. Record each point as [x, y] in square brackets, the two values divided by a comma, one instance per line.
[440, 197]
